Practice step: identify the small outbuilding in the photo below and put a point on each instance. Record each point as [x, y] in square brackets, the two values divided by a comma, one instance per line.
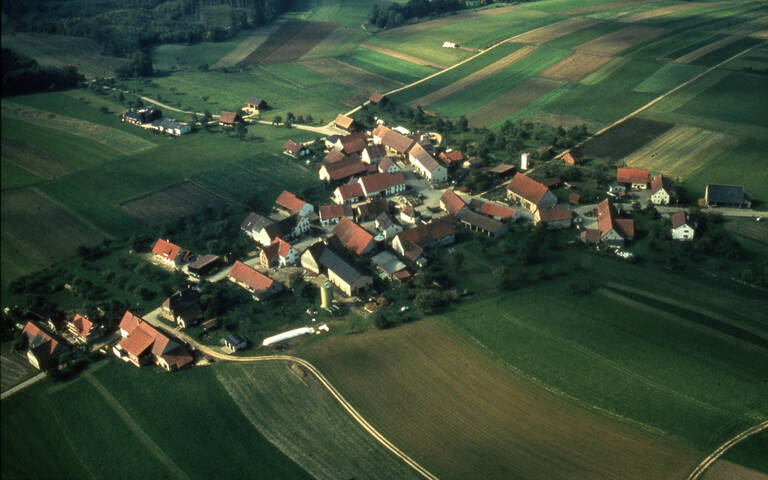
[235, 342]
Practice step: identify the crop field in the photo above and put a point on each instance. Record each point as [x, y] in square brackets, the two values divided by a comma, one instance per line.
[725, 470]
[727, 51]
[15, 177]
[40, 230]
[295, 73]
[556, 30]
[473, 78]
[511, 102]
[681, 151]
[34, 160]
[487, 422]
[323, 438]
[655, 13]
[63, 50]
[575, 67]
[395, 68]
[620, 40]
[490, 88]
[737, 98]
[599, 5]
[290, 42]
[623, 139]
[676, 45]
[349, 75]
[180, 200]
[668, 77]
[585, 35]
[756, 59]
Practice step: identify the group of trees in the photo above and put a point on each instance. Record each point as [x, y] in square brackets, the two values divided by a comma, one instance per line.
[395, 14]
[24, 75]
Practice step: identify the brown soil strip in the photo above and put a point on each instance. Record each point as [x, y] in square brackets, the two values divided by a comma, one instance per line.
[696, 54]
[511, 101]
[469, 80]
[34, 160]
[556, 30]
[620, 40]
[593, 8]
[660, 12]
[575, 67]
[350, 75]
[290, 42]
[246, 47]
[403, 56]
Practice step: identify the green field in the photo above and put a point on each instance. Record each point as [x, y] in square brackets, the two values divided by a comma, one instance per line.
[668, 77]
[737, 98]
[676, 45]
[16, 177]
[584, 35]
[386, 66]
[297, 73]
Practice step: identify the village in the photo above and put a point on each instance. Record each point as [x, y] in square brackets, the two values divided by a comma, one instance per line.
[394, 203]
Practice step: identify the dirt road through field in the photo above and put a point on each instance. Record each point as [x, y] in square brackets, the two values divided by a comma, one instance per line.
[712, 457]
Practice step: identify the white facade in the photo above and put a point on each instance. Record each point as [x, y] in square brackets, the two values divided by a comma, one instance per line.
[683, 233]
[660, 197]
[290, 257]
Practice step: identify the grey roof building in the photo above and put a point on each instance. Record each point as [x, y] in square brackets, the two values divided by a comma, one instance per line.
[726, 195]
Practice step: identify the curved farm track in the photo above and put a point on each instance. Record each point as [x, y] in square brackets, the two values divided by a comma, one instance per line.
[702, 467]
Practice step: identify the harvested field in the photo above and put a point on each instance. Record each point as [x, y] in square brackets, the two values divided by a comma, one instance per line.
[475, 77]
[247, 46]
[594, 8]
[623, 139]
[725, 470]
[63, 50]
[660, 12]
[403, 56]
[41, 230]
[486, 422]
[118, 140]
[512, 101]
[170, 203]
[618, 41]
[556, 30]
[350, 75]
[14, 367]
[747, 227]
[576, 66]
[680, 151]
[290, 42]
[34, 160]
[696, 54]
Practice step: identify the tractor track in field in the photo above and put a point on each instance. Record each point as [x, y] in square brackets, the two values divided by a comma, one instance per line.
[323, 381]
[702, 467]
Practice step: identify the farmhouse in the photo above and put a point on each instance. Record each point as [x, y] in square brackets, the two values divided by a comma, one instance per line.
[387, 226]
[529, 193]
[170, 254]
[344, 273]
[169, 126]
[682, 228]
[613, 230]
[499, 212]
[480, 223]
[412, 243]
[349, 193]
[371, 209]
[295, 149]
[141, 116]
[342, 170]
[292, 204]
[726, 196]
[354, 237]
[661, 193]
[255, 104]
[142, 343]
[635, 178]
[373, 154]
[234, 342]
[387, 165]
[394, 142]
[382, 184]
[331, 214]
[409, 215]
[258, 284]
[388, 264]
[345, 123]
[353, 143]
[452, 203]
[310, 259]
[286, 254]
[451, 159]
[377, 98]
[229, 119]
[183, 308]
[84, 330]
[43, 350]
[426, 165]
[559, 216]
[204, 265]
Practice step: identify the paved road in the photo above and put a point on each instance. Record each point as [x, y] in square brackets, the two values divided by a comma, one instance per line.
[219, 355]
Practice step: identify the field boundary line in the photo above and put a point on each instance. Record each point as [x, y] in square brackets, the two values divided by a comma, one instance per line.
[720, 451]
[322, 379]
[153, 447]
[656, 100]
[65, 207]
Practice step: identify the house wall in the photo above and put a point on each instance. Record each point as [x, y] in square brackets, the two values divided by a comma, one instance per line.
[639, 186]
[612, 237]
[683, 232]
[290, 258]
[308, 263]
[661, 197]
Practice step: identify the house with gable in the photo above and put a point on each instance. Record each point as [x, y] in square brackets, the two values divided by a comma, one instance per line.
[661, 193]
[382, 184]
[345, 123]
[257, 284]
[387, 226]
[613, 229]
[452, 159]
[286, 253]
[426, 165]
[371, 209]
[331, 214]
[414, 243]
[498, 212]
[481, 223]
[559, 216]
[293, 205]
[388, 165]
[170, 254]
[84, 330]
[348, 194]
[344, 273]
[394, 142]
[451, 203]
[353, 237]
[683, 229]
[43, 350]
[530, 194]
[373, 154]
[255, 104]
[342, 170]
[295, 149]
[634, 178]
[255, 223]
[353, 143]
[230, 119]
[183, 308]
[142, 344]
[377, 98]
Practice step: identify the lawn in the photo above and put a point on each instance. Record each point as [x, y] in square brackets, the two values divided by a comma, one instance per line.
[297, 73]
[386, 66]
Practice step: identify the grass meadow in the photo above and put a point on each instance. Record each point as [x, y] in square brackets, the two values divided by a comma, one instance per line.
[386, 66]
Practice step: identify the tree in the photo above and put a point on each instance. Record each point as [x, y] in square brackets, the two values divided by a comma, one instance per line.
[427, 300]
[277, 120]
[381, 321]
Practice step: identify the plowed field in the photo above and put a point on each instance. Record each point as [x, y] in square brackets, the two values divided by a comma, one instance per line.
[290, 42]
[618, 41]
[576, 67]
[182, 199]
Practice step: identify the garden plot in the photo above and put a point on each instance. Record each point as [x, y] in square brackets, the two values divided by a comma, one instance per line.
[179, 200]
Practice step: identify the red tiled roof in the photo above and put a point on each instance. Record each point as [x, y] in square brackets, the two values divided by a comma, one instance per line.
[129, 321]
[423, 157]
[429, 232]
[328, 212]
[502, 169]
[283, 247]
[254, 280]
[48, 348]
[137, 342]
[385, 164]
[228, 117]
[82, 324]
[402, 275]
[452, 202]
[166, 249]
[333, 156]
[679, 218]
[590, 235]
[380, 181]
[354, 143]
[376, 97]
[351, 190]
[396, 141]
[375, 151]
[574, 198]
[347, 170]
[411, 250]
[605, 214]
[353, 236]
[657, 183]
[452, 157]
[500, 211]
[293, 147]
[344, 121]
[270, 253]
[289, 201]
[527, 188]
[631, 175]
[560, 212]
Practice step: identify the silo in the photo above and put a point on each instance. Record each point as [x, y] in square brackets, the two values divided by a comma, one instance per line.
[326, 295]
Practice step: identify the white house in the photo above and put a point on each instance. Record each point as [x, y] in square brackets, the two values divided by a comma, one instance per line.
[382, 184]
[660, 193]
[426, 165]
[387, 165]
[682, 229]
